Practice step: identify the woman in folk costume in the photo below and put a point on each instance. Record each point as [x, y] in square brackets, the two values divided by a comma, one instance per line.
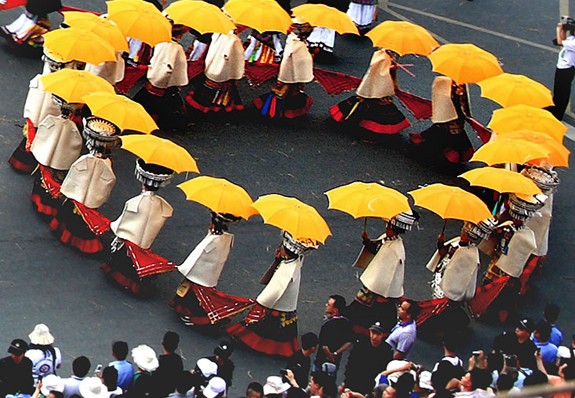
[321, 41]
[454, 266]
[372, 107]
[38, 105]
[197, 301]
[271, 325]
[363, 13]
[382, 279]
[224, 67]
[131, 262]
[514, 243]
[167, 72]
[287, 98]
[88, 186]
[446, 139]
[29, 27]
[263, 48]
[56, 145]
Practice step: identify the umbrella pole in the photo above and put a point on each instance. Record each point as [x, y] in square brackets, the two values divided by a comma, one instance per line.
[443, 229]
[365, 224]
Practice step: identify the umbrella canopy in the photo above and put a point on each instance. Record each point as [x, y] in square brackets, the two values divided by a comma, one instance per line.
[509, 150]
[501, 180]
[261, 15]
[161, 152]
[301, 220]
[106, 29]
[464, 63]
[450, 202]
[402, 37]
[508, 89]
[558, 154]
[140, 20]
[200, 16]
[219, 195]
[72, 85]
[122, 111]
[523, 117]
[325, 17]
[75, 44]
[360, 199]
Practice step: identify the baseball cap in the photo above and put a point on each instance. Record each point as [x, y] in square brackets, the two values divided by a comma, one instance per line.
[18, 347]
[526, 324]
[376, 327]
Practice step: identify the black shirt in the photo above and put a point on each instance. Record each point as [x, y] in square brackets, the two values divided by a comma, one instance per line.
[16, 377]
[166, 375]
[334, 333]
[364, 363]
[300, 365]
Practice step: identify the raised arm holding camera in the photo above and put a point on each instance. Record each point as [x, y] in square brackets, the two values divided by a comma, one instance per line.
[565, 71]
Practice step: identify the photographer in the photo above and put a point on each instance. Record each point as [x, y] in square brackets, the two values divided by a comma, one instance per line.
[565, 70]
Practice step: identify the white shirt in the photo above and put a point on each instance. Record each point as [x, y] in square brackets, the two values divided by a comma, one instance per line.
[567, 54]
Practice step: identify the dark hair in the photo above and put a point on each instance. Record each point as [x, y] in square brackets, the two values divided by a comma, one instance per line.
[81, 366]
[535, 378]
[308, 340]
[326, 382]
[296, 393]
[184, 381]
[338, 302]
[480, 378]
[551, 312]
[543, 330]
[255, 387]
[451, 341]
[57, 394]
[170, 341]
[505, 382]
[413, 309]
[120, 350]
[445, 371]
[569, 371]
[110, 378]
[495, 361]
[404, 385]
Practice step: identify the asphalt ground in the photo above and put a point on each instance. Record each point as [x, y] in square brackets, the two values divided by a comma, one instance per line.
[43, 281]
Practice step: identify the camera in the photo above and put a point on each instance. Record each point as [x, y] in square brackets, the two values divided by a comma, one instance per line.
[567, 23]
[416, 368]
[476, 353]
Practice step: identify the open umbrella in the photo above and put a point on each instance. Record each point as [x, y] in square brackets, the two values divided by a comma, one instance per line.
[464, 63]
[161, 152]
[402, 37]
[72, 85]
[301, 220]
[558, 154]
[508, 89]
[261, 15]
[219, 195]
[140, 20]
[523, 117]
[325, 17]
[509, 150]
[501, 180]
[75, 44]
[200, 16]
[450, 202]
[103, 27]
[360, 199]
[122, 111]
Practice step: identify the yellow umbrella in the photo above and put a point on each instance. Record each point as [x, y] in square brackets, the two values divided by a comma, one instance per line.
[558, 154]
[299, 219]
[140, 20]
[106, 29]
[402, 37]
[464, 63]
[501, 180]
[200, 16]
[509, 150]
[325, 17]
[450, 202]
[523, 117]
[508, 89]
[159, 151]
[72, 85]
[261, 15]
[75, 44]
[122, 111]
[360, 199]
[219, 195]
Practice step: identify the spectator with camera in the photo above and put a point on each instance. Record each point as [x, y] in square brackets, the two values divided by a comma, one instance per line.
[565, 71]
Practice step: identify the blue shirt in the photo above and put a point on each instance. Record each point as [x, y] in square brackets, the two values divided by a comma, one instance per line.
[125, 373]
[556, 336]
[548, 351]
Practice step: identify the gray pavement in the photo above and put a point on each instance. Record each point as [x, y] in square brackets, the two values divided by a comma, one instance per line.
[42, 281]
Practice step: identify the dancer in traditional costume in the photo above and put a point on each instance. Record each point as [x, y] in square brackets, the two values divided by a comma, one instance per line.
[167, 72]
[131, 262]
[263, 48]
[287, 98]
[38, 105]
[382, 280]
[111, 71]
[363, 13]
[197, 301]
[224, 67]
[271, 325]
[88, 186]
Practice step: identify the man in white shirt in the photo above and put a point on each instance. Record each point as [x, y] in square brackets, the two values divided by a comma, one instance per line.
[403, 335]
[565, 66]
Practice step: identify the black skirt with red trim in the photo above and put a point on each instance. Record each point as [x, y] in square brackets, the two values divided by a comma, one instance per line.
[45, 204]
[378, 116]
[368, 308]
[215, 97]
[22, 160]
[286, 101]
[120, 269]
[268, 331]
[189, 306]
[71, 229]
[448, 140]
[164, 105]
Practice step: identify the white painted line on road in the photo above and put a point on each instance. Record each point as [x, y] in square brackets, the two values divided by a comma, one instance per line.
[570, 134]
[564, 7]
